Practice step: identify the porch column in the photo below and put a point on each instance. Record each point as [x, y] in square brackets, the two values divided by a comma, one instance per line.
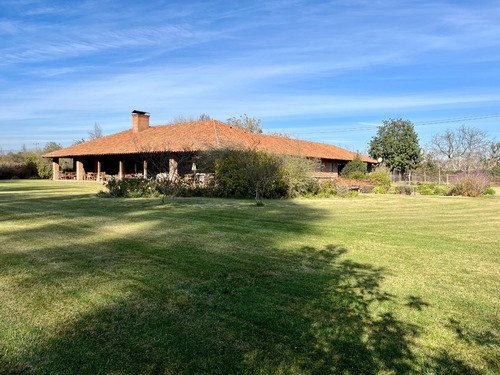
[145, 168]
[120, 170]
[335, 167]
[98, 170]
[173, 173]
[80, 172]
[55, 169]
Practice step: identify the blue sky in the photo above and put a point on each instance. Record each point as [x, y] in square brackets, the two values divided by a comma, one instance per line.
[327, 71]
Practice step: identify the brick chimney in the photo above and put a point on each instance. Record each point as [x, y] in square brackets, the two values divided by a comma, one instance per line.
[140, 121]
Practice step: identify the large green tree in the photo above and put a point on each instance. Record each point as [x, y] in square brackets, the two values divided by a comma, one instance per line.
[397, 144]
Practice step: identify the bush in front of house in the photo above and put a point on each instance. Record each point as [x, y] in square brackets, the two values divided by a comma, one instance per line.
[470, 184]
[355, 167]
[366, 189]
[231, 179]
[379, 178]
[239, 173]
[333, 189]
[297, 175]
[357, 175]
[376, 178]
[131, 188]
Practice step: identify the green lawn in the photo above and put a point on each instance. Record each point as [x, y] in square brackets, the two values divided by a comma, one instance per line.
[373, 284]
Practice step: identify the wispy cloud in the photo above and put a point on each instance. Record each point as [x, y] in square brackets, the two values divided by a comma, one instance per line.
[277, 60]
[168, 37]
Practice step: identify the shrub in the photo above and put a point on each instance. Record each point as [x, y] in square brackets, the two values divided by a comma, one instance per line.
[356, 175]
[425, 189]
[333, 189]
[17, 170]
[242, 173]
[379, 178]
[209, 190]
[403, 190]
[44, 169]
[472, 184]
[380, 190]
[432, 189]
[355, 165]
[239, 174]
[489, 191]
[131, 188]
[367, 189]
[297, 175]
[231, 179]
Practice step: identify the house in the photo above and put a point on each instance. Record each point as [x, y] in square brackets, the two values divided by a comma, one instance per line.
[128, 152]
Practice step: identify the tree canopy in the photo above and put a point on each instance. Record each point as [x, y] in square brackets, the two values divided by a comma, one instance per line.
[397, 144]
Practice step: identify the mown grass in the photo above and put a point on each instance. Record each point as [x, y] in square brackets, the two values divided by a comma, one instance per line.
[374, 284]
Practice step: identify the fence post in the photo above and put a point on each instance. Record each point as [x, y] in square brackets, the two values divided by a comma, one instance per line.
[447, 179]
[439, 174]
[425, 178]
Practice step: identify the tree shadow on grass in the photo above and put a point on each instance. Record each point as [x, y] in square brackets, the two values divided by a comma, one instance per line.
[483, 338]
[415, 302]
[197, 289]
[302, 311]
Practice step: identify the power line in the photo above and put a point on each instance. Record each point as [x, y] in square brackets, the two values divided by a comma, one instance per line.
[336, 131]
[458, 119]
[417, 124]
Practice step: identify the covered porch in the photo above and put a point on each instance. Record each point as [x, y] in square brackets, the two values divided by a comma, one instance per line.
[102, 168]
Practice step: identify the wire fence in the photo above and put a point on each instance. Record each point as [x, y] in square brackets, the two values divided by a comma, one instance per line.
[430, 178]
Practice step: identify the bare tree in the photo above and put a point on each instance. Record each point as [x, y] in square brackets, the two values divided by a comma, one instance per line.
[204, 117]
[250, 124]
[280, 134]
[460, 150]
[492, 159]
[97, 132]
[180, 119]
[78, 141]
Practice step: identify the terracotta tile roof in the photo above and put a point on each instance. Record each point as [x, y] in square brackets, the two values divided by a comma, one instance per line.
[200, 136]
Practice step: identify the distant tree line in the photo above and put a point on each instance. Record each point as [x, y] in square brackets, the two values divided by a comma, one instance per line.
[28, 163]
[464, 149]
